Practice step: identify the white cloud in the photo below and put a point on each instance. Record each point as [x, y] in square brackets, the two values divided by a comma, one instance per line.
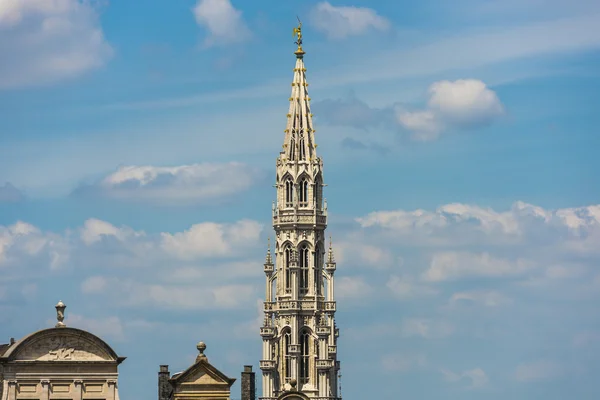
[454, 265]
[22, 240]
[487, 298]
[94, 284]
[477, 376]
[360, 253]
[399, 362]
[574, 230]
[137, 269]
[538, 371]
[186, 184]
[341, 22]
[108, 327]
[45, 41]
[426, 328]
[223, 22]
[464, 103]
[424, 124]
[406, 288]
[94, 230]
[209, 296]
[352, 287]
[210, 239]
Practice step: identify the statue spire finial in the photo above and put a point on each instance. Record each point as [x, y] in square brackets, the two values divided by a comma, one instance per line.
[298, 34]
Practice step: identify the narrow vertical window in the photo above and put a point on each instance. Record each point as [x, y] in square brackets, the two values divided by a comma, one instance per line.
[289, 192]
[304, 358]
[288, 274]
[292, 150]
[303, 193]
[287, 373]
[316, 271]
[304, 257]
[302, 150]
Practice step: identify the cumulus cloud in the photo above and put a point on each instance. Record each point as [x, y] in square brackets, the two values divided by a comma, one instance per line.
[205, 266]
[426, 328]
[108, 327]
[407, 288]
[538, 371]
[211, 239]
[45, 41]
[351, 111]
[22, 240]
[573, 229]
[341, 22]
[10, 194]
[461, 104]
[223, 22]
[352, 287]
[364, 254]
[477, 376]
[186, 184]
[400, 362]
[464, 104]
[453, 265]
[487, 298]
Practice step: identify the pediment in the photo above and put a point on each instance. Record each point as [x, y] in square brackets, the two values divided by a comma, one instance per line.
[61, 345]
[203, 374]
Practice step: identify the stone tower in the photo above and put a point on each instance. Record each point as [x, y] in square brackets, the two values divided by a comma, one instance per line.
[299, 332]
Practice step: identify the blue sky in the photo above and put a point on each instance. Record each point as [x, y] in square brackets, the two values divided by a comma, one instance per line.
[137, 153]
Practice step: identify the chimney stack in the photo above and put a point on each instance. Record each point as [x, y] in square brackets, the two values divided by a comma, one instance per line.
[248, 384]
[164, 387]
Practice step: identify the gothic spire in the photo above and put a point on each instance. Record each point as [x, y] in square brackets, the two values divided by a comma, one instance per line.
[299, 144]
[268, 258]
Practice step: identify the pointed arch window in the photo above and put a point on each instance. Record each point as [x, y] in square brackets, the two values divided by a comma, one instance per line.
[304, 357]
[302, 149]
[287, 258]
[287, 365]
[289, 192]
[303, 193]
[292, 149]
[304, 257]
[317, 271]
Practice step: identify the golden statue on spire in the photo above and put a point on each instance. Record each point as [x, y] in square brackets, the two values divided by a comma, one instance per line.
[298, 34]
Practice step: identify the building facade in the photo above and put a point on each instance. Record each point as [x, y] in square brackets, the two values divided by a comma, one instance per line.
[201, 381]
[59, 363]
[299, 354]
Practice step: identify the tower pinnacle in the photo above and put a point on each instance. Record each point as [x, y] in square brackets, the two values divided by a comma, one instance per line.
[299, 332]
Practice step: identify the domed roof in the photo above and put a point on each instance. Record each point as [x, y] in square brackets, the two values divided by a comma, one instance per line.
[61, 344]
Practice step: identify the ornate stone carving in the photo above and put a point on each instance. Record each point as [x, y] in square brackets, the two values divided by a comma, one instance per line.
[62, 348]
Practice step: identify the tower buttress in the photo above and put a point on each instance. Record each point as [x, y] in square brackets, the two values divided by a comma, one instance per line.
[299, 331]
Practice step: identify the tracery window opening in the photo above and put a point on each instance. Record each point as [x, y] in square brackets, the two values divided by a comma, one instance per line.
[287, 365]
[292, 149]
[304, 358]
[302, 149]
[289, 192]
[288, 273]
[316, 271]
[303, 193]
[304, 258]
